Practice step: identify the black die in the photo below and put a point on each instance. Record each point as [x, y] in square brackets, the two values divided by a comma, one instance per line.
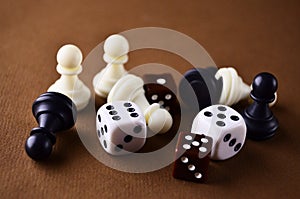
[165, 79]
[156, 93]
[192, 157]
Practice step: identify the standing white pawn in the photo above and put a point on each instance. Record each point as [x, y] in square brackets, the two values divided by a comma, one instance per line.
[116, 48]
[69, 58]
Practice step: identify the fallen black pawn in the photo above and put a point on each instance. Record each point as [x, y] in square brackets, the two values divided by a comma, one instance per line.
[200, 88]
[54, 112]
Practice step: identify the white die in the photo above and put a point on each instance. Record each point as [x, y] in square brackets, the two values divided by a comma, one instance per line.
[121, 127]
[227, 128]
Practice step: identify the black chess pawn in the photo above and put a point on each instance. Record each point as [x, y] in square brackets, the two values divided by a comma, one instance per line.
[54, 112]
[199, 87]
[260, 121]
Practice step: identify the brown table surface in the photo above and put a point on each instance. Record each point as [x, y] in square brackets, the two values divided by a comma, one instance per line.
[252, 35]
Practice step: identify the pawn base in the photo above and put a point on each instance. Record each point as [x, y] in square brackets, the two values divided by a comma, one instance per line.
[79, 94]
[260, 129]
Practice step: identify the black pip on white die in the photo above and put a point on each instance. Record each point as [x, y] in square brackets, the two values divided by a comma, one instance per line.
[121, 127]
[227, 128]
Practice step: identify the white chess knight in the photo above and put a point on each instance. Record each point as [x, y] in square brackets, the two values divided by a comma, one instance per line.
[234, 89]
[116, 48]
[130, 88]
[69, 58]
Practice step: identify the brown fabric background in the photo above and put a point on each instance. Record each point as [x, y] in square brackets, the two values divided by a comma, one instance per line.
[252, 35]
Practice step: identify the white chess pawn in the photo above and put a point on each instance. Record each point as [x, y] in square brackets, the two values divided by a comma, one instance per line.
[116, 48]
[69, 58]
[234, 89]
[130, 88]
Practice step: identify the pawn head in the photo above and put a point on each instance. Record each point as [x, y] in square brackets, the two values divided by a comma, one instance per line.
[69, 56]
[160, 121]
[116, 45]
[264, 87]
[38, 146]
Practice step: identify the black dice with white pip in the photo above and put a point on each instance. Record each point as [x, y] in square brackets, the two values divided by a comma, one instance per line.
[156, 93]
[165, 79]
[192, 157]
[227, 128]
[121, 127]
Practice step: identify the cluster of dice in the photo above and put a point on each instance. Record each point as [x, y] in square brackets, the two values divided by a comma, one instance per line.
[219, 133]
[133, 109]
[122, 122]
[128, 112]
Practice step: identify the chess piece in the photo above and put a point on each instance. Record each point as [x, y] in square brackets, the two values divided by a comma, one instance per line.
[116, 48]
[200, 86]
[54, 112]
[234, 89]
[212, 86]
[260, 121]
[270, 104]
[130, 88]
[69, 58]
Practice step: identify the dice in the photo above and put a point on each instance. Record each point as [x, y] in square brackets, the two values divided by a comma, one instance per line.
[192, 157]
[227, 128]
[121, 127]
[165, 79]
[157, 93]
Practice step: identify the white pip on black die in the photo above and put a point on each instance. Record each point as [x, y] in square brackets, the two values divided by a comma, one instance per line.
[227, 128]
[121, 127]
